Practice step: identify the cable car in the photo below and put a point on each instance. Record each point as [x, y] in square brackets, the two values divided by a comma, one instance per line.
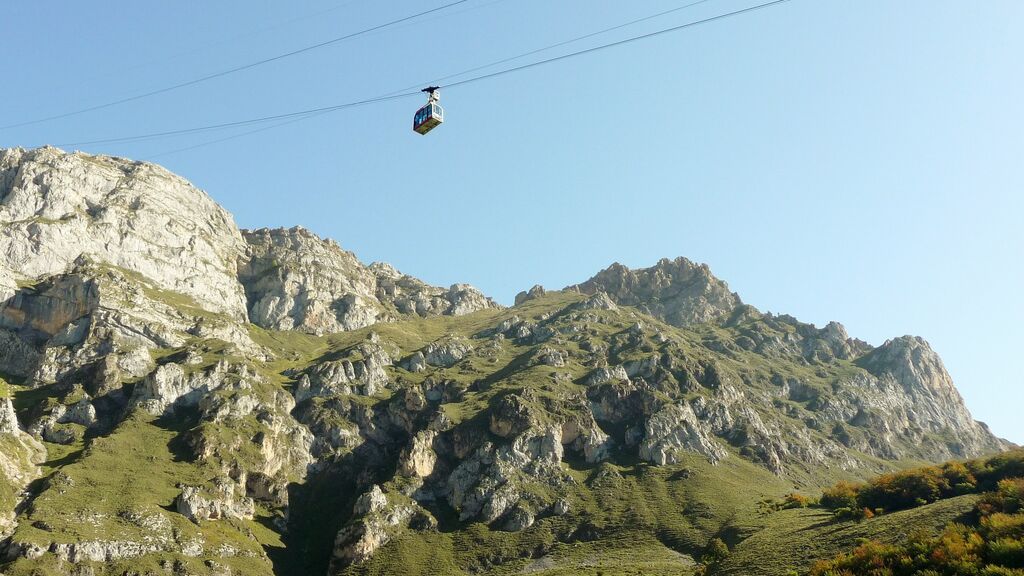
[430, 116]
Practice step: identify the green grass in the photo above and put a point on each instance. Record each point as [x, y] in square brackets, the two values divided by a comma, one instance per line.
[14, 453]
[681, 507]
[133, 472]
[626, 517]
[637, 519]
[628, 553]
[793, 539]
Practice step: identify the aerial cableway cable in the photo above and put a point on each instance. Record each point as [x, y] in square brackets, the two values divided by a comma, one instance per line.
[237, 37]
[231, 137]
[316, 111]
[553, 46]
[436, 80]
[300, 113]
[232, 70]
[613, 44]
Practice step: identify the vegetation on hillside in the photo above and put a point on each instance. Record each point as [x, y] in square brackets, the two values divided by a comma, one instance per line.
[919, 486]
[990, 541]
[120, 484]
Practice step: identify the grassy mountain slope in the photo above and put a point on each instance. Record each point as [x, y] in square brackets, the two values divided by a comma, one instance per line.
[625, 515]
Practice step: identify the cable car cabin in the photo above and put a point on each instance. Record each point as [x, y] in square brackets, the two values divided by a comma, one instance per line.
[428, 118]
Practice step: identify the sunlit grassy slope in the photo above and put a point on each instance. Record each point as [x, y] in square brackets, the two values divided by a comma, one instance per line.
[626, 517]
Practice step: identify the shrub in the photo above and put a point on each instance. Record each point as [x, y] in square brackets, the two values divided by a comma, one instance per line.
[1001, 571]
[852, 513]
[1011, 491]
[999, 467]
[999, 524]
[1008, 498]
[716, 551]
[842, 495]
[994, 547]
[907, 489]
[920, 486]
[959, 477]
[795, 500]
[1007, 552]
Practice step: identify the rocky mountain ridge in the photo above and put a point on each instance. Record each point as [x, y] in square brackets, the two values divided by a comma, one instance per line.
[295, 280]
[185, 397]
[678, 291]
[58, 207]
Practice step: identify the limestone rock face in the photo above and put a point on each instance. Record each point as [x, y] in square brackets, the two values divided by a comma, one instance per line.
[486, 485]
[376, 522]
[916, 381]
[171, 386]
[446, 352]
[418, 459]
[532, 294]
[198, 504]
[123, 299]
[519, 519]
[365, 376]
[19, 459]
[674, 429]
[295, 280]
[373, 500]
[57, 206]
[8, 285]
[678, 291]
[95, 326]
[8, 419]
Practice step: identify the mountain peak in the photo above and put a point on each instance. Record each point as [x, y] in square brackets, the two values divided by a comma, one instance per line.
[911, 364]
[161, 416]
[57, 206]
[679, 292]
[294, 279]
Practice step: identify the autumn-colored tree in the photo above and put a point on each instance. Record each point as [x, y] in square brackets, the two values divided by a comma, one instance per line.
[842, 495]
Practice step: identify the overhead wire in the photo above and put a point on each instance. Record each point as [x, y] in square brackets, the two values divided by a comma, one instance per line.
[205, 143]
[556, 45]
[325, 109]
[435, 80]
[615, 44]
[232, 39]
[462, 73]
[449, 14]
[231, 137]
[223, 73]
[300, 113]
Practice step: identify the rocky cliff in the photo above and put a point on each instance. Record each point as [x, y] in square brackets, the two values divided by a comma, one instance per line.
[194, 399]
[678, 291]
[55, 207]
[295, 280]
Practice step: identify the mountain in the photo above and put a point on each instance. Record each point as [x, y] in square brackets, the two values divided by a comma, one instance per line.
[184, 397]
[678, 291]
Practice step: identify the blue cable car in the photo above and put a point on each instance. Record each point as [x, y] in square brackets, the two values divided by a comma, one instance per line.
[430, 116]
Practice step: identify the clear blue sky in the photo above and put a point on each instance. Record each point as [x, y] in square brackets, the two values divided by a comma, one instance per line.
[856, 161]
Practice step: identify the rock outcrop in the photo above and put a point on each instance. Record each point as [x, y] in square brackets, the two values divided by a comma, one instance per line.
[20, 456]
[677, 291]
[124, 300]
[198, 504]
[293, 279]
[921, 397]
[136, 216]
[676, 429]
[376, 521]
